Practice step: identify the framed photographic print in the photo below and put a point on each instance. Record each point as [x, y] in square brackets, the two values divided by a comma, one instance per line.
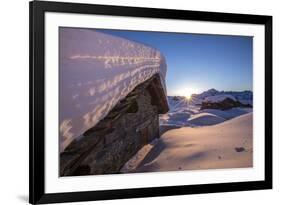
[140, 102]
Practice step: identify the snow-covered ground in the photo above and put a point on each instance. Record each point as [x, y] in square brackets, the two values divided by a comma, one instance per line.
[199, 139]
[225, 145]
[96, 71]
[197, 117]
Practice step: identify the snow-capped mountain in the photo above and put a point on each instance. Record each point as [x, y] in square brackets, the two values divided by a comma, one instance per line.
[208, 93]
[177, 103]
[219, 98]
[245, 97]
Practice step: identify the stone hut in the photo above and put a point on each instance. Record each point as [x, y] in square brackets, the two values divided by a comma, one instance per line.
[130, 125]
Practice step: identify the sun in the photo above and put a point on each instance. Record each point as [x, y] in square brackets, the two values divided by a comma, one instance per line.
[187, 92]
[188, 97]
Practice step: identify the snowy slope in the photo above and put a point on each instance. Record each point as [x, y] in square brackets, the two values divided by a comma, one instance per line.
[193, 118]
[205, 118]
[225, 145]
[96, 71]
[177, 102]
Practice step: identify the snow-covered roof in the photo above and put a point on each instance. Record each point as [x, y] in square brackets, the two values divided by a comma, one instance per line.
[96, 70]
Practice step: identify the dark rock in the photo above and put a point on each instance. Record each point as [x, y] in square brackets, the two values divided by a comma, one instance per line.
[240, 149]
[226, 104]
[82, 170]
[133, 108]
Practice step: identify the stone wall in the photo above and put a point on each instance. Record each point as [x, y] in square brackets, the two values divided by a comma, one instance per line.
[105, 148]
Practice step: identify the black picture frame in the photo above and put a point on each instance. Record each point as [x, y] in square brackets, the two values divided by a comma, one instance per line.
[37, 9]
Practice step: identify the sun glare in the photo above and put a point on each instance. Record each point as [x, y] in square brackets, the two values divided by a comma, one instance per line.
[187, 92]
[188, 97]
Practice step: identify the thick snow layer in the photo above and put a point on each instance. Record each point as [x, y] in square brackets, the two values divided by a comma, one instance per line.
[175, 118]
[225, 145]
[192, 118]
[228, 114]
[205, 118]
[218, 98]
[97, 70]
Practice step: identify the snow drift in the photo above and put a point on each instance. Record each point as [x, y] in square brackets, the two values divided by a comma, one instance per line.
[96, 71]
[225, 145]
[205, 118]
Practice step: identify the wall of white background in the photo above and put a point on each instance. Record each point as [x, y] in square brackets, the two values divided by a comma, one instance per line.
[14, 100]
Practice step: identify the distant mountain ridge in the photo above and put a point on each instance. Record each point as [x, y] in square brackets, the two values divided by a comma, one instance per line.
[208, 93]
[178, 102]
[239, 95]
[245, 97]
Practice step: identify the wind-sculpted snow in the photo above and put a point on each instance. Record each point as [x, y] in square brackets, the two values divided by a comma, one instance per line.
[96, 71]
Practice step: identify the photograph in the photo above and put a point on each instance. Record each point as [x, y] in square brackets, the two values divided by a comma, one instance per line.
[133, 101]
